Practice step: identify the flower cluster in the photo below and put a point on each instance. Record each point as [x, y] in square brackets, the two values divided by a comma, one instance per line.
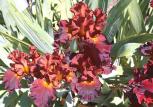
[22, 67]
[43, 72]
[142, 84]
[93, 52]
[78, 69]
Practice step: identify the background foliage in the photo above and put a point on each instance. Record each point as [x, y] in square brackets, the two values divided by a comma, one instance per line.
[129, 24]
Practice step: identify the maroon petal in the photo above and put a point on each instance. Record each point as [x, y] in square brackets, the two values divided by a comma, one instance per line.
[42, 62]
[61, 36]
[63, 23]
[100, 19]
[18, 56]
[11, 80]
[76, 58]
[148, 84]
[88, 90]
[42, 93]
[147, 49]
[144, 91]
[80, 9]
[151, 3]
[143, 96]
[103, 47]
[33, 53]
[140, 94]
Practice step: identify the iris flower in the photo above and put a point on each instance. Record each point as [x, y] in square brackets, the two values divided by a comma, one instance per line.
[142, 83]
[78, 71]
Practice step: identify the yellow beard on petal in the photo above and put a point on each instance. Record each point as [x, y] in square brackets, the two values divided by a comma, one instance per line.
[47, 85]
[89, 83]
[95, 39]
[26, 69]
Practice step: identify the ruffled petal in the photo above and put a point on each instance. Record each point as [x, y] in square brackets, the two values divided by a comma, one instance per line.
[148, 84]
[42, 93]
[143, 95]
[139, 93]
[11, 80]
[100, 19]
[18, 56]
[147, 49]
[34, 55]
[80, 9]
[88, 90]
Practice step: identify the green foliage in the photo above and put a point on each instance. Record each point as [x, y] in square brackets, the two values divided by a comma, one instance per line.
[138, 38]
[136, 16]
[73, 46]
[97, 3]
[129, 24]
[114, 19]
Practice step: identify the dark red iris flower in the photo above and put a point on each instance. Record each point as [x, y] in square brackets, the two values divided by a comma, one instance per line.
[142, 83]
[93, 57]
[89, 64]
[47, 71]
[85, 24]
[147, 50]
[21, 62]
[53, 70]
[87, 87]
[80, 70]
[21, 67]
[144, 92]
